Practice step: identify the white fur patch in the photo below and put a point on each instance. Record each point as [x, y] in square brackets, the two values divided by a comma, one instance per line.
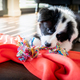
[67, 45]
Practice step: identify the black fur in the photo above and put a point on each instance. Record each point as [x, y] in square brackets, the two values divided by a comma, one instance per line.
[70, 29]
[64, 19]
[45, 14]
[46, 28]
[67, 33]
[37, 36]
[48, 19]
[62, 36]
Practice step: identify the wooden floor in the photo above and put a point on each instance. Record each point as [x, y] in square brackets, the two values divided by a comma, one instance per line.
[25, 25]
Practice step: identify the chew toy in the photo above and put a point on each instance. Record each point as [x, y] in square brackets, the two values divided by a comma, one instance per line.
[25, 51]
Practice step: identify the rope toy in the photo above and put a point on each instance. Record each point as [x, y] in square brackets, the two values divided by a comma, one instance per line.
[25, 51]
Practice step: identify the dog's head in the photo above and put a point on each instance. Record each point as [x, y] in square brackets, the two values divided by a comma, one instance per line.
[55, 26]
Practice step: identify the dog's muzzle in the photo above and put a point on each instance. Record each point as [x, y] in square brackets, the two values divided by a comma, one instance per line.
[47, 44]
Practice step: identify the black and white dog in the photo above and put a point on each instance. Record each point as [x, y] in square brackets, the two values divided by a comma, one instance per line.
[57, 24]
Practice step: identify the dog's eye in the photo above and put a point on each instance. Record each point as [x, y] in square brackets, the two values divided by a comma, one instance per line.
[47, 24]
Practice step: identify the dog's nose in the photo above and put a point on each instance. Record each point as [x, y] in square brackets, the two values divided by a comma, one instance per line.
[47, 44]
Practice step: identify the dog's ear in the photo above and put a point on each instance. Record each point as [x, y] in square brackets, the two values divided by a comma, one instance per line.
[45, 14]
[57, 13]
[51, 12]
[70, 30]
[69, 37]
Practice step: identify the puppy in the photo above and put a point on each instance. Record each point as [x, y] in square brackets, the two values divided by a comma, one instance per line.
[57, 24]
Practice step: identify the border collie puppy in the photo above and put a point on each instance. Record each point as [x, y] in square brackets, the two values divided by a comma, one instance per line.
[57, 24]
